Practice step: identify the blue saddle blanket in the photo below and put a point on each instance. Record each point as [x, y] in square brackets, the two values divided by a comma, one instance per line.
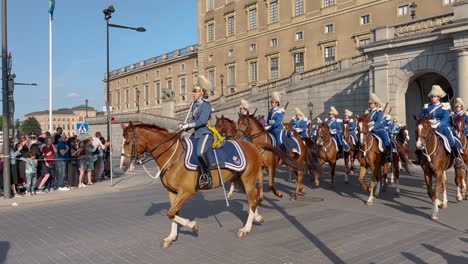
[230, 156]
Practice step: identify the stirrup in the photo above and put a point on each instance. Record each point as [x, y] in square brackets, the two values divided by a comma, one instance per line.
[204, 181]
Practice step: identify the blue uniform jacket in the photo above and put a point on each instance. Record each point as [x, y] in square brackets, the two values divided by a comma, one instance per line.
[352, 129]
[313, 132]
[377, 126]
[275, 121]
[300, 125]
[336, 126]
[201, 113]
[440, 116]
[455, 114]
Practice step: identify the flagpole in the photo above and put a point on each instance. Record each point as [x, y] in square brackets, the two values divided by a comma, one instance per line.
[50, 73]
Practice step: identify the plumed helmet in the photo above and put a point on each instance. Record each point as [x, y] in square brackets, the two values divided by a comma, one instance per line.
[348, 113]
[319, 120]
[299, 112]
[244, 104]
[459, 102]
[276, 97]
[374, 99]
[437, 91]
[333, 111]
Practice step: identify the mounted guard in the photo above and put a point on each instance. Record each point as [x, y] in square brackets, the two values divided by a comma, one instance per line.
[439, 114]
[336, 127]
[376, 124]
[299, 123]
[313, 129]
[201, 115]
[352, 126]
[459, 105]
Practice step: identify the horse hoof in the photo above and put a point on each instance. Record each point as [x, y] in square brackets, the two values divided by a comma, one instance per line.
[280, 195]
[229, 196]
[444, 206]
[459, 199]
[241, 234]
[317, 183]
[370, 203]
[435, 217]
[166, 244]
[195, 228]
[259, 219]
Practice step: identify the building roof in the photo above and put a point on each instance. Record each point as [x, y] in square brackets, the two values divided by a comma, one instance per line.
[61, 111]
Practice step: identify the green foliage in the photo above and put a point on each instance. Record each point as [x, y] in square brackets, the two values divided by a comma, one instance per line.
[17, 123]
[30, 126]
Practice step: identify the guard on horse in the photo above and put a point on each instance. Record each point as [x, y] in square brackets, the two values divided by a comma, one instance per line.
[314, 128]
[336, 126]
[201, 115]
[459, 105]
[439, 114]
[275, 126]
[299, 123]
[376, 125]
[352, 126]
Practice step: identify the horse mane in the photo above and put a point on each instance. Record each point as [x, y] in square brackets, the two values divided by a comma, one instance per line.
[230, 121]
[150, 127]
[256, 121]
[363, 118]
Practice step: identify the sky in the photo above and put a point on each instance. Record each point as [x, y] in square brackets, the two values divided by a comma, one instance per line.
[79, 45]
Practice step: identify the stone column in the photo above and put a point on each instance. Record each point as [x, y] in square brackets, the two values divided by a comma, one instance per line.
[462, 75]
[379, 86]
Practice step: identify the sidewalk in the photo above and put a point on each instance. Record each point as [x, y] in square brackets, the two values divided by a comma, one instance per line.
[121, 182]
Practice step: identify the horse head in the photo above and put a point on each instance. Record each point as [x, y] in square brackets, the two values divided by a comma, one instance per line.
[403, 135]
[244, 127]
[459, 124]
[363, 128]
[423, 131]
[226, 126]
[323, 133]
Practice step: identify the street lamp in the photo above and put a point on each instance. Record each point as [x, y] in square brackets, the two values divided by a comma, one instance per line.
[138, 100]
[12, 101]
[412, 8]
[221, 77]
[108, 15]
[86, 105]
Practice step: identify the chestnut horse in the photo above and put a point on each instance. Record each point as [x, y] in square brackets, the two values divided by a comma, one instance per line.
[370, 157]
[350, 155]
[461, 182]
[328, 151]
[434, 161]
[401, 156]
[250, 127]
[144, 141]
[228, 128]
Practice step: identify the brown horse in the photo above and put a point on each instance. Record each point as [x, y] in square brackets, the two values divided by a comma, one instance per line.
[350, 155]
[251, 128]
[434, 161]
[461, 181]
[328, 151]
[370, 157]
[228, 128]
[167, 150]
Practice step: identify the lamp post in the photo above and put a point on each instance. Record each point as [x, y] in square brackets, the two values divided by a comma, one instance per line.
[108, 15]
[138, 100]
[412, 8]
[5, 72]
[12, 101]
[221, 77]
[86, 105]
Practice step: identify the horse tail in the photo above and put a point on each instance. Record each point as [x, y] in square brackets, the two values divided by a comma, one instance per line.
[312, 157]
[403, 154]
[283, 156]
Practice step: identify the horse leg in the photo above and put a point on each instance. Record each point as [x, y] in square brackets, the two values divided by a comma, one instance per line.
[317, 175]
[435, 200]
[396, 174]
[300, 177]
[383, 182]
[177, 201]
[332, 172]
[260, 187]
[251, 193]
[231, 191]
[464, 180]
[459, 183]
[428, 180]
[347, 169]
[444, 190]
[370, 200]
[271, 179]
[362, 173]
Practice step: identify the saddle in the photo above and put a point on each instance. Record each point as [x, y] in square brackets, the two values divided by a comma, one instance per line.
[380, 141]
[230, 156]
[445, 140]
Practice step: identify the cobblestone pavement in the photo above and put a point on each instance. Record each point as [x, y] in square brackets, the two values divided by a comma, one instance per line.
[126, 224]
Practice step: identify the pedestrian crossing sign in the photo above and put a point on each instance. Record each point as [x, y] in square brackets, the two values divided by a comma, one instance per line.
[82, 129]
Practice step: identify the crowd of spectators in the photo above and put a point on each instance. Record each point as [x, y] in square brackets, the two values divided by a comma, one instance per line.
[45, 163]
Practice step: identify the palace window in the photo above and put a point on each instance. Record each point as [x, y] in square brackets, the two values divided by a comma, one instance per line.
[273, 11]
[209, 5]
[298, 7]
[253, 71]
[274, 42]
[328, 3]
[403, 10]
[183, 89]
[274, 68]
[329, 28]
[299, 35]
[365, 19]
[252, 17]
[299, 61]
[329, 54]
[253, 47]
[210, 32]
[211, 77]
[231, 75]
[230, 26]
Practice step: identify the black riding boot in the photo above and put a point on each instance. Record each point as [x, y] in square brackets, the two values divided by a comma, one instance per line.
[205, 181]
[388, 154]
[455, 155]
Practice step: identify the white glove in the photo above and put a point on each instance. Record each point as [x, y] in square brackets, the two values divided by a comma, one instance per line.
[298, 130]
[267, 127]
[184, 126]
[371, 124]
[271, 122]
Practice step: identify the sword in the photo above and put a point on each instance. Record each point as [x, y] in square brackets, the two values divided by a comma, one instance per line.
[220, 177]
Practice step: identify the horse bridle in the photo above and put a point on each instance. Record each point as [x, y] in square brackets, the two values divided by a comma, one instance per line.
[245, 135]
[323, 139]
[146, 156]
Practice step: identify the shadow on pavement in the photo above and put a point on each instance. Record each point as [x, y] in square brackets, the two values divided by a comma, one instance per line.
[450, 258]
[413, 258]
[4, 248]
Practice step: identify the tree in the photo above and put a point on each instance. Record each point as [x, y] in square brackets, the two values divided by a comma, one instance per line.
[30, 126]
[17, 123]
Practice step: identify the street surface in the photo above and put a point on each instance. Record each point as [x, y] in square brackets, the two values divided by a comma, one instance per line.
[127, 222]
